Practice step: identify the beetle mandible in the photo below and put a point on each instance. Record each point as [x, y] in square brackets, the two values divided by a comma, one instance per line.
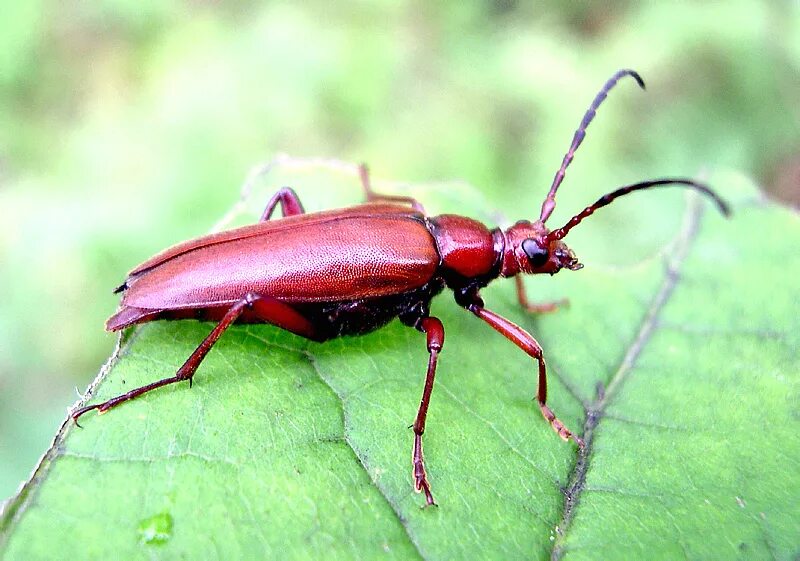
[368, 264]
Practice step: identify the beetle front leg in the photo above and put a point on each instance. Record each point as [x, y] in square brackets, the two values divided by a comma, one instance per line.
[372, 196]
[434, 330]
[527, 343]
[543, 308]
[289, 201]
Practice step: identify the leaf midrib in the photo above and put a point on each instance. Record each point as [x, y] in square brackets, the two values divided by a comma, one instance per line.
[595, 411]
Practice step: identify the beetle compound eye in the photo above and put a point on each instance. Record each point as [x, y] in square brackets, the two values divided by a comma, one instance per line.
[537, 255]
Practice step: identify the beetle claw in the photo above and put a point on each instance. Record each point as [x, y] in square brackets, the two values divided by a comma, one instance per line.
[78, 413]
[425, 488]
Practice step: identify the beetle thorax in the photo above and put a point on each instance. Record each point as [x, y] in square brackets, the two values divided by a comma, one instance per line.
[528, 250]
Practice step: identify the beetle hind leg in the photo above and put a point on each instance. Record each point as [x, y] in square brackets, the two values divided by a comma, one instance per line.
[185, 372]
[266, 308]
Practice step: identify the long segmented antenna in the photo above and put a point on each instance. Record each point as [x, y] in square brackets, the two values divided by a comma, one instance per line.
[550, 202]
[559, 233]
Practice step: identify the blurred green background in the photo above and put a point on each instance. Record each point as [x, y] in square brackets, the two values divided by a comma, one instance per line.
[127, 126]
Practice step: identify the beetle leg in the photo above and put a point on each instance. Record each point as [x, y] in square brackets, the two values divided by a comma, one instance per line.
[527, 343]
[289, 201]
[434, 330]
[265, 307]
[542, 308]
[372, 196]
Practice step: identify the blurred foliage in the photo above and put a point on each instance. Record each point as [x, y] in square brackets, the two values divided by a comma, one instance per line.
[127, 126]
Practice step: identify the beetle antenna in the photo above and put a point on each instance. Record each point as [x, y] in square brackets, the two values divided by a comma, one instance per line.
[550, 202]
[559, 233]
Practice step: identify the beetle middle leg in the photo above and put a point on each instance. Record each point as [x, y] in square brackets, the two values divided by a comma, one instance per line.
[434, 330]
[266, 308]
[541, 308]
[289, 201]
[372, 196]
[527, 343]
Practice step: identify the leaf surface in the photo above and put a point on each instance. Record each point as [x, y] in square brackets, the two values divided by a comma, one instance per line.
[680, 368]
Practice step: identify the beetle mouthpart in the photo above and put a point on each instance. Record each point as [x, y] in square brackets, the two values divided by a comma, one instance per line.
[566, 258]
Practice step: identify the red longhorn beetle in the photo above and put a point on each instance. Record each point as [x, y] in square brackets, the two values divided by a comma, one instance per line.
[367, 265]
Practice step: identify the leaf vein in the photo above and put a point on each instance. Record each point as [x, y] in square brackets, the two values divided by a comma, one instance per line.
[346, 422]
[677, 256]
[499, 434]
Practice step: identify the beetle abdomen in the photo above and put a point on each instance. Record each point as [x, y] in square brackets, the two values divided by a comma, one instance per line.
[364, 316]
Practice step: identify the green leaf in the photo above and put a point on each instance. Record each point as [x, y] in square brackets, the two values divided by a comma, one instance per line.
[679, 366]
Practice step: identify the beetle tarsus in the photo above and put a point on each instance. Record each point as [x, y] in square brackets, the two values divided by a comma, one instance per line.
[76, 415]
[420, 477]
[561, 429]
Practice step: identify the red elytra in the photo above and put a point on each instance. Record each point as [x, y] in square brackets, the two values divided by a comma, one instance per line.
[350, 271]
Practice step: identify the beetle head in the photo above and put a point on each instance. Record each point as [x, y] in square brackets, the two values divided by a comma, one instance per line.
[529, 250]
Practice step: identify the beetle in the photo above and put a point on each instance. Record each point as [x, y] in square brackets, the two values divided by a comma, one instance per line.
[350, 271]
